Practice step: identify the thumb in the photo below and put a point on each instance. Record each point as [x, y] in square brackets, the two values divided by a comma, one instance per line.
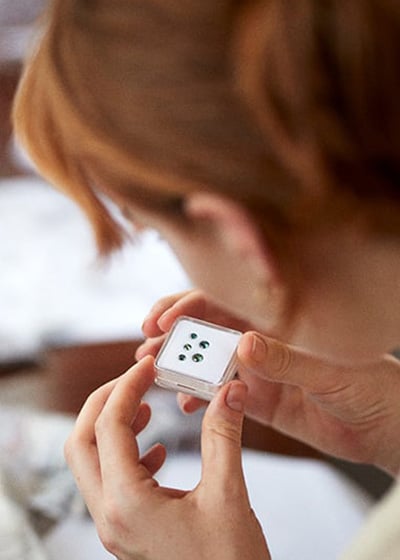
[276, 361]
[221, 438]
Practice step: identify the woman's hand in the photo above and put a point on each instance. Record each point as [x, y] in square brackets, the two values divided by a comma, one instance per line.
[135, 517]
[349, 412]
[193, 303]
[352, 413]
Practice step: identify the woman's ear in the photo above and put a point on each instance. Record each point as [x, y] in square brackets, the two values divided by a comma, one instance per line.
[234, 228]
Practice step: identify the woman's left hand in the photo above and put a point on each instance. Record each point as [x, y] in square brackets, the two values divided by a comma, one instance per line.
[137, 518]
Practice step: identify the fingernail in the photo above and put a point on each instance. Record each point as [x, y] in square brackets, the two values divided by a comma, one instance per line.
[236, 396]
[183, 401]
[259, 349]
[162, 318]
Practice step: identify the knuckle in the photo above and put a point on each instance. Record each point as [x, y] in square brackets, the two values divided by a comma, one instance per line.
[112, 514]
[172, 299]
[160, 303]
[114, 527]
[283, 360]
[108, 539]
[198, 294]
[225, 430]
[196, 297]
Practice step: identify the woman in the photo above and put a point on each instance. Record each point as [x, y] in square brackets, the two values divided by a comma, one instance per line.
[262, 140]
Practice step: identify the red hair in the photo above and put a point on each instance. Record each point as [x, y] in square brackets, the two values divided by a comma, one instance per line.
[290, 108]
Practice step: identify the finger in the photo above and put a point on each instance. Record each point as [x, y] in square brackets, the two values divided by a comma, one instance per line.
[84, 426]
[81, 450]
[84, 464]
[221, 440]
[142, 418]
[154, 458]
[189, 404]
[196, 304]
[150, 325]
[193, 303]
[279, 362]
[150, 347]
[117, 446]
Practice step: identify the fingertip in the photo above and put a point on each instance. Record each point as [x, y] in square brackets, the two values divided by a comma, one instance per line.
[231, 398]
[146, 360]
[236, 396]
[145, 325]
[146, 349]
[245, 346]
[189, 404]
[154, 458]
[146, 367]
[182, 400]
[222, 436]
[164, 322]
[150, 327]
[140, 352]
[252, 349]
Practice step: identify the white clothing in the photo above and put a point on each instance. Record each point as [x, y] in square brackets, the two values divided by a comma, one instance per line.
[379, 538]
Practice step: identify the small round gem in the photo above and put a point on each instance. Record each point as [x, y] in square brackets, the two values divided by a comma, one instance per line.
[198, 357]
[204, 344]
[187, 346]
[181, 357]
[193, 335]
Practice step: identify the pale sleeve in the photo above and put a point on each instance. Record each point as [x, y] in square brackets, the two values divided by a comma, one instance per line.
[379, 538]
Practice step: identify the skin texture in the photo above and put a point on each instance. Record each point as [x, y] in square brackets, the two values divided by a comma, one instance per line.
[350, 412]
[126, 502]
[339, 286]
[327, 382]
[261, 140]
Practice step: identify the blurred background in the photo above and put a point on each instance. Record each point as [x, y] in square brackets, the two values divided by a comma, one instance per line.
[68, 324]
[59, 307]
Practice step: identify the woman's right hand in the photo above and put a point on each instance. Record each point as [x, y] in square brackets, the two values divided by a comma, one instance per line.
[352, 413]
